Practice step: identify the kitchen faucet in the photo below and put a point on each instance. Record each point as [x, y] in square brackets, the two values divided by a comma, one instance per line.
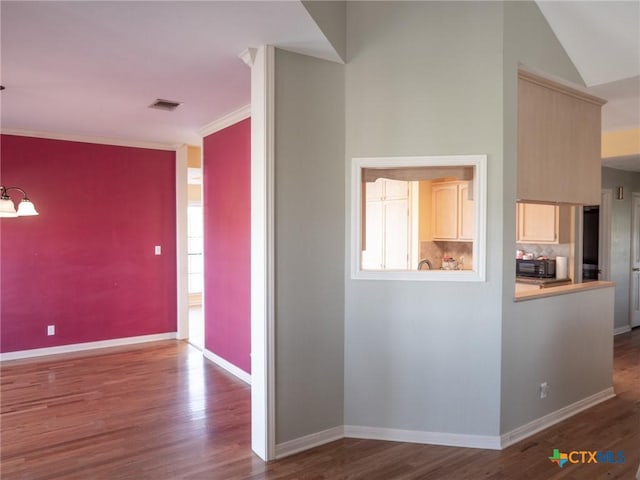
[425, 261]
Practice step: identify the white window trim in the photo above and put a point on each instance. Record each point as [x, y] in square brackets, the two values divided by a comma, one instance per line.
[478, 274]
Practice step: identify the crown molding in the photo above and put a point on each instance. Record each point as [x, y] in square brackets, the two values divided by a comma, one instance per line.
[558, 84]
[89, 139]
[248, 56]
[226, 121]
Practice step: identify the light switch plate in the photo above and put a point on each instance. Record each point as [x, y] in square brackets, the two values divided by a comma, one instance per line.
[158, 250]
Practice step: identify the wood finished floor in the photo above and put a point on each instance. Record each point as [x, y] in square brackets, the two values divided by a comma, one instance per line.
[164, 412]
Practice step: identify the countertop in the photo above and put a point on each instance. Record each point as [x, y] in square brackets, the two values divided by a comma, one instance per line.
[543, 282]
[530, 292]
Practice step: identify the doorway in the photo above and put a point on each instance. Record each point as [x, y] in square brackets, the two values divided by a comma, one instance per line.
[590, 243]
[195, 274]
[195, 247]
[593, 258]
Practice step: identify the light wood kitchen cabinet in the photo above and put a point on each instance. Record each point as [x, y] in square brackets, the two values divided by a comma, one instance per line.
[387, 225]
[452, 216]
[559, 132]
[465, 213]
[538, 223]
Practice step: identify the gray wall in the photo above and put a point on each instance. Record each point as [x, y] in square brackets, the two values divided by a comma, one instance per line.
[331, 18]
[621, 238]
[309, 231]
[425, 78]
[565, 341]
[543, 339]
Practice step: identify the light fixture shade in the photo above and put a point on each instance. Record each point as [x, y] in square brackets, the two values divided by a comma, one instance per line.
[26, 208]
[7, 209]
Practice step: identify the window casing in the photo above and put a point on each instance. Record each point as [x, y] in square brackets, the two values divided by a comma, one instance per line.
[377, 203]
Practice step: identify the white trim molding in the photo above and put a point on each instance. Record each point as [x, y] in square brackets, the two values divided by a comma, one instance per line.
[262, 252]
[604, 235]
[226, 121]
[79, 347]
[248, 56]
[478, 162]
[90, 139]
[309, 441]
[228, 366]
[539, 424]
[621, 330]
[417, 436]
[182, 259]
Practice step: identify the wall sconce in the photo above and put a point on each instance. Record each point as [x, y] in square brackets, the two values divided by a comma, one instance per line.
[620, 193]
[8, 209]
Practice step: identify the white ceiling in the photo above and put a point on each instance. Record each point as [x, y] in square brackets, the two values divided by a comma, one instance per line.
[602, 38]
[91, 69]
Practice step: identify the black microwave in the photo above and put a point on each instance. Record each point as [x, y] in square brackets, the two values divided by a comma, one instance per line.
[536, 268]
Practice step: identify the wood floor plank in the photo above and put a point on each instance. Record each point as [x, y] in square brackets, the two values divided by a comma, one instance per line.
[164, 412]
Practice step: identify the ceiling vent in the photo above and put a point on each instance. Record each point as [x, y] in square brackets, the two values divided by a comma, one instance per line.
[168, 105]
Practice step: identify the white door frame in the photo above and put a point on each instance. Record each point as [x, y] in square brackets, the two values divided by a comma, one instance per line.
[576, 249]
[604, 242]
[634, 277]
[262, 63]
[182, 260]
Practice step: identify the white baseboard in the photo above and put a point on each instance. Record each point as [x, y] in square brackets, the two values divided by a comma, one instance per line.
[389, 434]
[418, 436]
[228, 366]
[488, 442]
[78, 347]
[620, 330]
[309, 441]
[552, 418]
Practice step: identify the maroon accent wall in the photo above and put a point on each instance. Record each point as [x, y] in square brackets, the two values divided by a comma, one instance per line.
[86, 264]
[227, 243]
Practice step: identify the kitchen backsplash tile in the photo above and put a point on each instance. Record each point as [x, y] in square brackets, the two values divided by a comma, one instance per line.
[460, 251]
[551, 251]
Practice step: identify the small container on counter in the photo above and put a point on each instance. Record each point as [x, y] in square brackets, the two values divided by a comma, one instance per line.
[561, 268]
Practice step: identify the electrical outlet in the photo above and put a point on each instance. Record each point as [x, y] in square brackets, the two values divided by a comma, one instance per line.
[544, 389]
[158, 250]
[51, 330]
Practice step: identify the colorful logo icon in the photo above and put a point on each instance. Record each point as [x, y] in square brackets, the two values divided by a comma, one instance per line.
[559, 458]
[586, 456]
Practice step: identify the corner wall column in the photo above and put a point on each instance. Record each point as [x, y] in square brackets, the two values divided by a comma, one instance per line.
[262, 62]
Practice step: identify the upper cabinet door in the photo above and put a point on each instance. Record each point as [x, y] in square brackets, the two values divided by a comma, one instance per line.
[445, 212]
[537, 223]
[543, 223]
[466, 215]
[559, 132]
[453, 216]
